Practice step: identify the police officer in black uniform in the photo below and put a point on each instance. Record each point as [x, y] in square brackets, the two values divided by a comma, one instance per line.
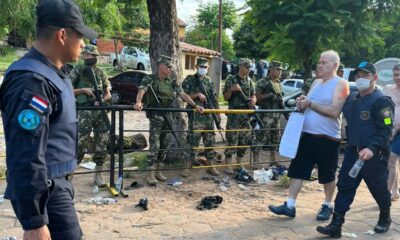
[369, 115]
[39, 117]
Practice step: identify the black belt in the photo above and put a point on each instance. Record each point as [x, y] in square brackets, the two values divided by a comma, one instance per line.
[68, 177]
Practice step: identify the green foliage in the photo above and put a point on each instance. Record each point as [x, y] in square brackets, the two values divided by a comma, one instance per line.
[208, 15]
[8, 58]
[246, 43]
[298, 30]
[17, 15]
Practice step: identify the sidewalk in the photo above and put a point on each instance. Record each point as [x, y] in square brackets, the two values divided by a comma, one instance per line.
[172, 213]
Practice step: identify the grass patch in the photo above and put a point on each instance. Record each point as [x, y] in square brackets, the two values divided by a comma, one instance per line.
[135, 159]
[283, 181]
[7, 56]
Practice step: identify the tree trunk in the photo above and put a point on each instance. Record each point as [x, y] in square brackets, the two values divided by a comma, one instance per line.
[164, 40]
[307, 64]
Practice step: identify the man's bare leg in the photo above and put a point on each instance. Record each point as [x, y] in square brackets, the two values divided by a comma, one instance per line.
[329, 189]
[393, 175]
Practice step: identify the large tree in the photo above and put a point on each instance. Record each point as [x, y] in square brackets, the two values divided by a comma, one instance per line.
[246, 43]
[298, 30]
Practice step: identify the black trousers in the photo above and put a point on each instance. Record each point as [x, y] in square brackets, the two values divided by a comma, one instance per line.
[374, 173]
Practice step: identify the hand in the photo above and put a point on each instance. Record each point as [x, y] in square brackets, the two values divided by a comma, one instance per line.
[138, 106]
[96, 103]
[251, 103]
[107, 97]
[199, 109]
[41, 233]
[236, 88]
[303, 104]
[88, 91]
[365, 154]
[202, 98]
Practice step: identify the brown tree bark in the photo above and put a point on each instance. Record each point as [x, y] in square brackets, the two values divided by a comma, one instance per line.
[164, 40]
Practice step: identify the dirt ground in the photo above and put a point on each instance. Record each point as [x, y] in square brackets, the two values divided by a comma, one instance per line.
[172, 211]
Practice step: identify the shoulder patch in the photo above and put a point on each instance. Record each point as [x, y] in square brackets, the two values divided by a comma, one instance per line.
[39, 104]
[387, 115]
[28, 119]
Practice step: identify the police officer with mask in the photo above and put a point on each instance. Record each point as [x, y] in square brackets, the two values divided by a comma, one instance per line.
[92, 120]
[369, 116]
[39, 118]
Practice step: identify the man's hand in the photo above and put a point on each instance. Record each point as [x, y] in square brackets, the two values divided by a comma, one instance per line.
[251, 103]
[88, 91]
[202, 97]
[365, 154]
[107, 96]
[199, 109]
[236, 88]
[138, 106]
[41, 233]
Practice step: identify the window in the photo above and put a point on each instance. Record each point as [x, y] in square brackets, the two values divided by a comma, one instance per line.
[299, 84]
[289, 83]
[190, 62]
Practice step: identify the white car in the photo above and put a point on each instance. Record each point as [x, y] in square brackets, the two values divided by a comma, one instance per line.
[291, 85]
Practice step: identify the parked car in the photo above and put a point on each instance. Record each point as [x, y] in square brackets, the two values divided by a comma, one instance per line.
[131, 57]
[124, 86]
[291, 85]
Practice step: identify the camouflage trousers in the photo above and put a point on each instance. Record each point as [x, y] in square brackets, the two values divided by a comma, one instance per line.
[158, 139]
[241, 138]
[88, 121]
[202, 122]
[270, 135]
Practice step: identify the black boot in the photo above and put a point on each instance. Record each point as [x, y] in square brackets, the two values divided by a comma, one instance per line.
[384, 221]
[334, 229]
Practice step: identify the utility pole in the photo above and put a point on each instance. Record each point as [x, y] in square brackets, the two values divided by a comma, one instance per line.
[220, 27]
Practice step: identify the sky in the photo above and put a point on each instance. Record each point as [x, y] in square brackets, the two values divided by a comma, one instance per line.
[187, 9]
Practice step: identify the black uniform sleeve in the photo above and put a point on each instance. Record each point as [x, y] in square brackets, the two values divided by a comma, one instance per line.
[26, 132]
[383, 114]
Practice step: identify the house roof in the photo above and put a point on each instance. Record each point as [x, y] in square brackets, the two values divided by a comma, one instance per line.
[187, 47]
[181, 23]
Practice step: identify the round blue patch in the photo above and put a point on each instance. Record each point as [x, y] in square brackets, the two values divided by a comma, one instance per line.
[29, 119]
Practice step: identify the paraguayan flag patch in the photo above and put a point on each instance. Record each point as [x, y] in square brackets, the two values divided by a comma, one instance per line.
[39, 104]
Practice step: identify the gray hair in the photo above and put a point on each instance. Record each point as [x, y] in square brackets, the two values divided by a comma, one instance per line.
[333, 56]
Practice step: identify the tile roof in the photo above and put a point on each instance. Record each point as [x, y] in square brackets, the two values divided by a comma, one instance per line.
[187, 47]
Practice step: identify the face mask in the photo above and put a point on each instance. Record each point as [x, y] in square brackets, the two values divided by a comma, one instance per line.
[90, 61]
[202, 71]
[362, 83]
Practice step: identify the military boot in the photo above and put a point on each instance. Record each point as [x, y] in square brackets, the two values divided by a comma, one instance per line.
[186, 172]
[384, 221]
[272, 157]
[213, 171]
[256, 159]
[159, 175]
[228, 169]
[240, 161]
[334, 229]
[151, 179]
[98, 179]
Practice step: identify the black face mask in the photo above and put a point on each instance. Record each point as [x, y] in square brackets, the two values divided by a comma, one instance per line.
[90, 61]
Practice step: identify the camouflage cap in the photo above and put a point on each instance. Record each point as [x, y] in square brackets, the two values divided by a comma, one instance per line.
[202, 62]
[275, 64]
[245, 62]
[90, 49]
[168, 61]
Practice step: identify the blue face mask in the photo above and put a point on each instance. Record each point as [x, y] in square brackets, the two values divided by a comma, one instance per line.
[202, 71]
[363, 84]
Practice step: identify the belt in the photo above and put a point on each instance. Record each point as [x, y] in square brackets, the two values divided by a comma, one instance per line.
[324, 136]
[67, 177]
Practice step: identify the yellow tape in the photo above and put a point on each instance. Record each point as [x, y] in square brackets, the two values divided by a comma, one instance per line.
[230, 111]
[387, 121]
[222, 165]
[230, 130]
[112, 190]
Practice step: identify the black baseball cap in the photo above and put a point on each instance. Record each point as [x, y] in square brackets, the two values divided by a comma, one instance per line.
[63, 13]
[366, 67]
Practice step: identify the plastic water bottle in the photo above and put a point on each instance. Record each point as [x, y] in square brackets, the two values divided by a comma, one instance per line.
[118, 184]
[356, 168]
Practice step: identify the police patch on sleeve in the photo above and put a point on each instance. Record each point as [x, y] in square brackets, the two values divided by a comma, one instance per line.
[387, 116]
[28, 119]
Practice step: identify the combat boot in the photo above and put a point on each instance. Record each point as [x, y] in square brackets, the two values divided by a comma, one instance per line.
[159, 175]
[151, 179]
[334, 229]
[384, 221]
[228, 169]
[272, 157]
[98, 179]
[240, 161]
[213, 171]
[186, 172]
[256, 159]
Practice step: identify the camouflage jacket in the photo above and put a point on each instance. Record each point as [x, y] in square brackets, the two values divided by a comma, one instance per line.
[191, 86]
[166, 90]
[80, 79]
[307, 85]
[267, 85]
[235, 102]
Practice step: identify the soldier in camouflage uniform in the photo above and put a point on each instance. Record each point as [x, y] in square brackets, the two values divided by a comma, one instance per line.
[269, 95]
[166, 90]
[233, 85]
[91, 120]
[201, 121]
